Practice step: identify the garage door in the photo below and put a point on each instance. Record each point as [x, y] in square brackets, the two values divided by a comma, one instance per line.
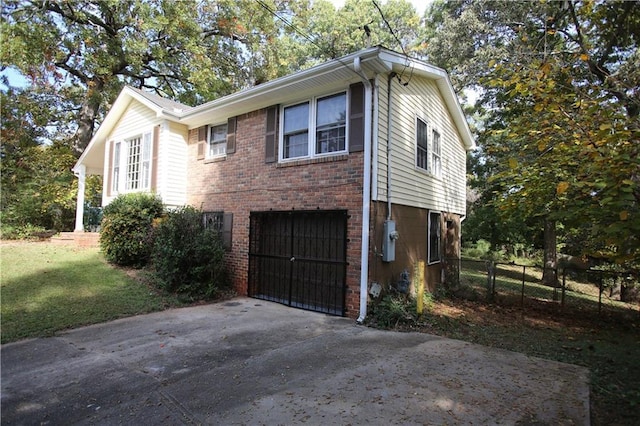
[299, 259]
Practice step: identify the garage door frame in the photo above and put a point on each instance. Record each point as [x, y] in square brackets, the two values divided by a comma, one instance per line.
[298, 258]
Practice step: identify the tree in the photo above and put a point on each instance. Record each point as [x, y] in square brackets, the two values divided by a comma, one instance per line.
[84, 51]
[560, 82]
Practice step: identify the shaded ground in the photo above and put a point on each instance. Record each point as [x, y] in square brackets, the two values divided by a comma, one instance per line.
[246, 361]
[607, 344]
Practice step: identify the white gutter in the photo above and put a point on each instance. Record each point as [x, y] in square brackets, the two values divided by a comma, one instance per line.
[366, 191]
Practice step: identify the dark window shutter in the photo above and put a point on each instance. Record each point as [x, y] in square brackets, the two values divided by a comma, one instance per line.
[202, 141]
[193, 136]
[110, 171]
[271, 137]
[154, 158]
[356, 118]
[227, 227]
[231, 134]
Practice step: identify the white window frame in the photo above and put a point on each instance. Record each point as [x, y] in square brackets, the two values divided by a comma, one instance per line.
[438, 256]
[219, 144]
[432, 158]
[420, 121]
[436, 153]
[312, 128]
[128, 176]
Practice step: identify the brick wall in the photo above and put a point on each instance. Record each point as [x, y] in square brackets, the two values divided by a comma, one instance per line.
[243, 182]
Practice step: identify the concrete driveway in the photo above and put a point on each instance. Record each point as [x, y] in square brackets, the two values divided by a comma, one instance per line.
[252, 362]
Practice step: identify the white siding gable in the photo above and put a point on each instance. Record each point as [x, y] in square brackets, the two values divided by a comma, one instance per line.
[411, 185]
[171, 155]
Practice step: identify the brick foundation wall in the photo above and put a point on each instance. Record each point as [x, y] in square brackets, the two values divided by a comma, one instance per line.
[243, 182]
[411, 247]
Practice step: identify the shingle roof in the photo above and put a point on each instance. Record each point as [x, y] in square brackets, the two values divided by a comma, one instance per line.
[163, 103]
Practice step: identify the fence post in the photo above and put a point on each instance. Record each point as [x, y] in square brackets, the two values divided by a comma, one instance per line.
[524, 276]
[600, 295]
[564, 286]
[490, 279]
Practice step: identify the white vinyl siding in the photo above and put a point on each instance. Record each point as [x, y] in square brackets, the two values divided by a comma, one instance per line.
[410, 185]
[139, 121]
[172, 169]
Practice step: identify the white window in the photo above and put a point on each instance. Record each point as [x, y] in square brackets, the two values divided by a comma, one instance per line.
[314, 128]
[217, 141]
[428, 152]
[422, 145]
[133, 164]
[436, 158]
[116, 167]
[132, 155]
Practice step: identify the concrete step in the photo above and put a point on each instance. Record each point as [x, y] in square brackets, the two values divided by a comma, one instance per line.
[81, 239]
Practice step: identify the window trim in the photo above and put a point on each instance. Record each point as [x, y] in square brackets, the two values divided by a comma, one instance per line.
[430, 154]
[222, 224]
[221, 142]
[431, 260]
[418, 147]
[121, 168]
[436, 171]
[312, 127]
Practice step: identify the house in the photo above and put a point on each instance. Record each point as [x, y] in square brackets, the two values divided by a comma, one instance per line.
[326, 184]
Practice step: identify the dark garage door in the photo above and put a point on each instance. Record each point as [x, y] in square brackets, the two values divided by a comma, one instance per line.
[298, 258]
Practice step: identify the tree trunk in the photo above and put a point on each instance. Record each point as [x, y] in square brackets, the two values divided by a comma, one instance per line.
[87, 115]
[550, 253]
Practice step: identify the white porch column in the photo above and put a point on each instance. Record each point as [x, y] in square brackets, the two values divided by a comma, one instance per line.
[80, 173]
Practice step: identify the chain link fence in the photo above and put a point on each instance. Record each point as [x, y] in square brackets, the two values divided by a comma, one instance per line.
[590, 291]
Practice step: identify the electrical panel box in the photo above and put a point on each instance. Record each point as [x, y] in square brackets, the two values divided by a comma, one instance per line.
[390, 235]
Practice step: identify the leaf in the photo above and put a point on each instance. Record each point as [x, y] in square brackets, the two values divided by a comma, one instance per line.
[562, 187]
[624, 215]
[513, 163]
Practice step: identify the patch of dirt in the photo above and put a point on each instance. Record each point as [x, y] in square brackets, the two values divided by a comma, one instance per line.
[608, 344]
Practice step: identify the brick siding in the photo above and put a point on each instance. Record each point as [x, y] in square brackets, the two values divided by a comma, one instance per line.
[243, 182]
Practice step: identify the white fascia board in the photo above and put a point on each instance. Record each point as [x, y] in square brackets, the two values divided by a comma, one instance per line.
[260, 96]
[407, 66]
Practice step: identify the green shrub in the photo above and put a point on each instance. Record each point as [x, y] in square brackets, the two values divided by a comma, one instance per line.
[126, 237]
[187, 258]
[20, 232]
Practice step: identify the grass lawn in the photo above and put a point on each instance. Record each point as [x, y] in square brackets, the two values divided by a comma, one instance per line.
[48, 287]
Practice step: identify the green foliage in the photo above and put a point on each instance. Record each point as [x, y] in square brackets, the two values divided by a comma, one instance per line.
[394, 310]
[24, 232]
[187, 258]
[126, 229]
[559, 132]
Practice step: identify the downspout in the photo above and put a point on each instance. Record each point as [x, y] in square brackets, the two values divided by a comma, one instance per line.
[80, 172]
[366, 191]
[389, 122]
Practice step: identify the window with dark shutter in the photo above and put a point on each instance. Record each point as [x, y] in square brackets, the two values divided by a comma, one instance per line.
[356, 118]
[202, 142]
[231, 135]
[271, 135]
[222, 223]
